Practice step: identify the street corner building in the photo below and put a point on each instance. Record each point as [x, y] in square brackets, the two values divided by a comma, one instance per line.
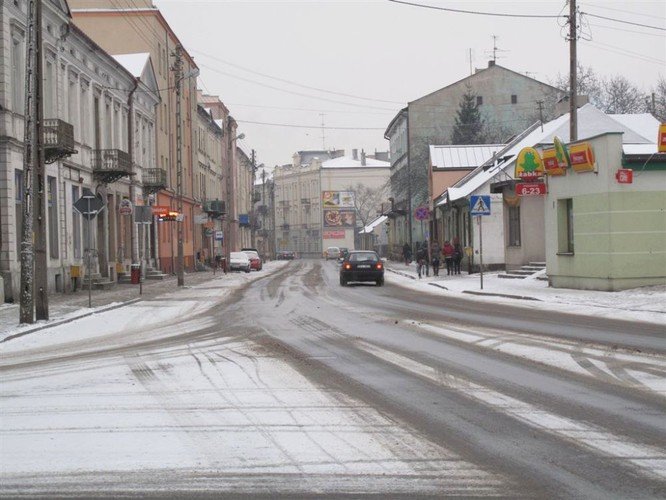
[95, 105]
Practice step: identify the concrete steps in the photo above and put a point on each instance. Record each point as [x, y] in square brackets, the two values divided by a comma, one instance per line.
[525, 271]
[153, 274]
[99, 282]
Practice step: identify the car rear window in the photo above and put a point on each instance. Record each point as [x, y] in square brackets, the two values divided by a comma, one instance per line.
[363, 257]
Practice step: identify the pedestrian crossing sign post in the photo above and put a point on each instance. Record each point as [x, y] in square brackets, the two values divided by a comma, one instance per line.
[479, 205]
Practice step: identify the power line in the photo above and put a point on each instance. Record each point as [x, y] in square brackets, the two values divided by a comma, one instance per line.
[476, 12]
[623, 52]
[312, 110]
[604, 26]
[319, 127]
[625, 11]
[283, 80]
[291, 91]
[619, 21]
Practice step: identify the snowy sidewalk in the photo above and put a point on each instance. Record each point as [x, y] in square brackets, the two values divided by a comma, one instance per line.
[64, 308]
[639, 304]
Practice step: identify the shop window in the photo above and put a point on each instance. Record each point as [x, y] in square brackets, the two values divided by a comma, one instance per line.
[565, 226]
[514, 226]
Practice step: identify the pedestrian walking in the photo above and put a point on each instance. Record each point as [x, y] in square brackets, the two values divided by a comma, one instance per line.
[421, 259]
[407, 253]
[457, 256]
[448, 257]
[435, 254]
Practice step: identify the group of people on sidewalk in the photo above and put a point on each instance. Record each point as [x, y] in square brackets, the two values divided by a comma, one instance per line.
[452, 254]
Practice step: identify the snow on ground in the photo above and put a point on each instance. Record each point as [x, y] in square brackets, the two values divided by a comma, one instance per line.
[639, 304]
[138, 315]
[222, 412]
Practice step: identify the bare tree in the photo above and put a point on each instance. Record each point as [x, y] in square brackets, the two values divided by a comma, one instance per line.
[620, 96]
[659, 108]
[587, 81]
[368, 201]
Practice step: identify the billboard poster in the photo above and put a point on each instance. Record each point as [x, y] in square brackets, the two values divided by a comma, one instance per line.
[338, 199]
[339, 218]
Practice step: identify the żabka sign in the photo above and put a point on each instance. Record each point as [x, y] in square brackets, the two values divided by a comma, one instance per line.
[582, 157]
[529, 166]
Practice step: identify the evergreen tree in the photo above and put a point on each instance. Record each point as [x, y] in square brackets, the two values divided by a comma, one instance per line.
[469, 126]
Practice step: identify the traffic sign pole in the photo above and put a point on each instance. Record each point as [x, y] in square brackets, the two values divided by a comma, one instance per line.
[90, 219]
[481, 249]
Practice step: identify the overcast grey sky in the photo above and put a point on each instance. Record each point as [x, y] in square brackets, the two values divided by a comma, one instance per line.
[388, 54]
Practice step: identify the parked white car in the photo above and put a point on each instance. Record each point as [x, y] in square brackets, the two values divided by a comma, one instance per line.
[239, 261]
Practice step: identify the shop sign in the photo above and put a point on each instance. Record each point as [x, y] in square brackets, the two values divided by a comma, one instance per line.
[208, 232]
[551, 164]
[530, 188]
[219, 235]
[561, 152]
[624, 176]
[661, 139]
[529, 165]
[159, 209]
[334, 235]
[582, 157]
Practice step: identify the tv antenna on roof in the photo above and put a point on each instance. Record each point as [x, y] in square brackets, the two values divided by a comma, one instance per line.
[496, 49]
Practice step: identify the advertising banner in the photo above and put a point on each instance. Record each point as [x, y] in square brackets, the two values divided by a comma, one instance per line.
[334, 235]
[339, 218]
[338, 199]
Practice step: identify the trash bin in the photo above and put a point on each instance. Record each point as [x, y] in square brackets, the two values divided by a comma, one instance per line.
[135, 274]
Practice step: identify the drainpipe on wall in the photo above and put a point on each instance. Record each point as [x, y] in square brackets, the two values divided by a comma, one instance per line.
[134, 240]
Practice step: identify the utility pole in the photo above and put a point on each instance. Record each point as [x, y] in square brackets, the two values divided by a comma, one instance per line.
[134, 240]
[323, 131]
[32, 162]
[178, 70]
[252, 222]
[573, 84]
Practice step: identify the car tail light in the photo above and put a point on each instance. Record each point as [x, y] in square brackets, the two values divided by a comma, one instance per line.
[347, 265]
[380, 266]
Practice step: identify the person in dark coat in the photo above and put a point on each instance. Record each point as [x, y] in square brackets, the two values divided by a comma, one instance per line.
[457, 256]
[435, 256]
[407, 253]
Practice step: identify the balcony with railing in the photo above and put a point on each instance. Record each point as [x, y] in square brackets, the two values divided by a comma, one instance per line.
[109, 165]
[154, 179]
[58, 140]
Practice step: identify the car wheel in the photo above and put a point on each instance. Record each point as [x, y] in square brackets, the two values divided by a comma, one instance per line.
[343, 282]
[380, 282]
[247, 270]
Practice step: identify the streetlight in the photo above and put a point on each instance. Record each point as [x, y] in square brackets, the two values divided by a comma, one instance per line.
[230, 204]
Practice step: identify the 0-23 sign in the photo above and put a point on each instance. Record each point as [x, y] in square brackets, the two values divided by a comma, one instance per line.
[530, 188]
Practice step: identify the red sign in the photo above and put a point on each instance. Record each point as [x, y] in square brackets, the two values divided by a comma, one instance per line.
[661, 139]
[624, 176]
[530, 189]
[160, 209]
[334, 235]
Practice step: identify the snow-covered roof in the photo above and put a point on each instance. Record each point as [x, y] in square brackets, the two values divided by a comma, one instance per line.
[349, 162]
[639, 149]
[646, 125]
[591, 122]
[134, 63]
[462, 156]
[372, 225]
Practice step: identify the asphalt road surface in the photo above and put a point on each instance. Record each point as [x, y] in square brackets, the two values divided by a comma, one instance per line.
[292, 386]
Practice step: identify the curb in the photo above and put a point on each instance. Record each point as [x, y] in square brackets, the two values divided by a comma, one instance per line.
[401, 273]
[70, 320]
[439, 286]
[505, 295]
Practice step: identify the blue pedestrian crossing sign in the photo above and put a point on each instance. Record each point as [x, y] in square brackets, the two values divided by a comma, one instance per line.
[479, 205]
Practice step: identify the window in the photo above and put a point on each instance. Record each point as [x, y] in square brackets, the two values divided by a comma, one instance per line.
[18, 80]
[53, 216]
[18, 200]
[76, 224]
[514, 226]
[565, 226]
[479, 100]
[514, 99]
[49, 88]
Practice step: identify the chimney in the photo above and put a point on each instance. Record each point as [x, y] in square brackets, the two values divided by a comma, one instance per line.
[355, 154]
[491, 63]
[363, 162]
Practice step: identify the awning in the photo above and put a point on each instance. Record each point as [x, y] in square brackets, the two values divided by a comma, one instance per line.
[372, 225]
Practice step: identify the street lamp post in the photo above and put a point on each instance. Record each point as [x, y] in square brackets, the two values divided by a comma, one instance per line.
[229, 208]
